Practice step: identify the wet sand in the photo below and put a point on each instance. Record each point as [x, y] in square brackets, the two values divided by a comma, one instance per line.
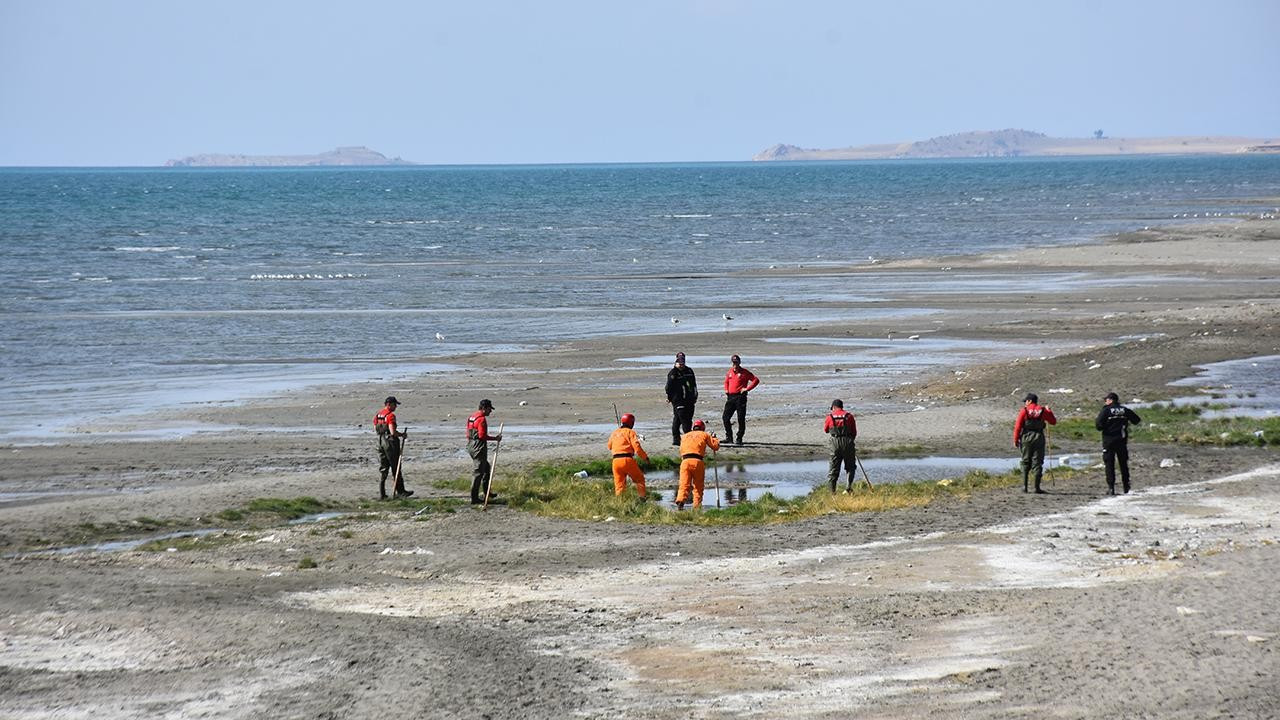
[1000, 605]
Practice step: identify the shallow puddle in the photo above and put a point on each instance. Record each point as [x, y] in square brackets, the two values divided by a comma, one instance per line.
[740, 482]
[133, 544]
[1246, 386]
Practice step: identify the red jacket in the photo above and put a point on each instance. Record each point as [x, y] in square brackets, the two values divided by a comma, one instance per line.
[480, 424]
[1034, 416]
[739, 382]
[841, 418]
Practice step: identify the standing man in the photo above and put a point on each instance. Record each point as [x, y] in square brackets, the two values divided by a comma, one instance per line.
[478, 438]
[625, 445]
[693, 465]
[682, 393]
[843, 429]
[1114, 420]
[737, 383]
[389, 437]
[1028, 434]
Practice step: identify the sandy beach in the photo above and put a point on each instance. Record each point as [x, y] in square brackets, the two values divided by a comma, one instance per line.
[1072, 604]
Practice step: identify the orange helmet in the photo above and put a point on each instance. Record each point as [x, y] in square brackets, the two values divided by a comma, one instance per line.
[628, 420]
[699, 425]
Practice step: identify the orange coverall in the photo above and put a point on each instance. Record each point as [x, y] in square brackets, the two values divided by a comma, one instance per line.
[625, 446]
[693, 467]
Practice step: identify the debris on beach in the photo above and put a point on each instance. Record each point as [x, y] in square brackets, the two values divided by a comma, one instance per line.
[1169, 462]
[415, 551]
[1183, 610]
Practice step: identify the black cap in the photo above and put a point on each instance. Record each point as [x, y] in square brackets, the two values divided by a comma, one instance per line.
[486, 405]
[391, 400]
[1112, 397]
[1031, 397]
[837, 403]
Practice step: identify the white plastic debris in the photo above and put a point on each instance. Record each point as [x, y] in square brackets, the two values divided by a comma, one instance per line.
[580, 474]
[1183, 610]
[1060, 391]
[268, 539]
[1157, 366]
[610, 519]
[1169, 462]
[277, 573]
[415, 551]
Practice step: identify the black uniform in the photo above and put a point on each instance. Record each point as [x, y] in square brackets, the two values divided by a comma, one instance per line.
[682, 392]
[1114, 421]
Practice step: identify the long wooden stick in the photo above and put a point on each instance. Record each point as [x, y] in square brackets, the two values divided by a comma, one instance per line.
[715, 468]
[864, 471]
[492, 466]
[398, 480]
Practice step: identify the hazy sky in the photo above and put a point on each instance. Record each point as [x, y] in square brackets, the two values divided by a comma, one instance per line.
[129, 82]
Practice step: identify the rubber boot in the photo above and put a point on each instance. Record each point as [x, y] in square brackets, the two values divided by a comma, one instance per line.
[1025, 480]
[833, 486]
[1038, 490]
[849, 490]
[382, 487]
[1126, 488]
[1111, 490]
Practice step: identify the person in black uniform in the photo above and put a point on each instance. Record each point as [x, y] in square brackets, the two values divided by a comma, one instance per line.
[682, 394]
[1113, 421]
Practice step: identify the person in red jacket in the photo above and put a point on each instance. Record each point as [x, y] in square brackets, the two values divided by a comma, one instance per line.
[843, 429]
[738, 381]
[1029, 436]
[478, 438]
[389, 437]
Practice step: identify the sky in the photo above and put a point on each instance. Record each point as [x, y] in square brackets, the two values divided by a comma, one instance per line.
[136, 82]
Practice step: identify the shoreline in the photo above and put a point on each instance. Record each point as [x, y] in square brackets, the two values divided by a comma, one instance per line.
[999, 603]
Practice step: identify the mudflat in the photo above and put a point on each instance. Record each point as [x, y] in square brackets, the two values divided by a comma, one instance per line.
[999, 604]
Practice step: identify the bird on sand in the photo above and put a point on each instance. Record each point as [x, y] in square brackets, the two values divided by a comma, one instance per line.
[726, 316]
[675, 321]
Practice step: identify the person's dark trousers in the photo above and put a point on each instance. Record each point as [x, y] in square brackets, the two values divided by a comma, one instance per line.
[388, 456]
[480, 478]
[681, 421]
[1032, 457]
[1117, 450]
[736, 403]
[843, 453]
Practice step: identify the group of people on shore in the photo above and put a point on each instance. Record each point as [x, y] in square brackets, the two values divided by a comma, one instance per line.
[1030, 436]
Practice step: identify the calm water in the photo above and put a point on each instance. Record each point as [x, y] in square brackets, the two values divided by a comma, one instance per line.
[126, 289]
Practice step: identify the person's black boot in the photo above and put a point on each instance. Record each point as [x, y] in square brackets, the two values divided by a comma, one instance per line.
[1038, 490]
[382, 487]
[1025, 480]
[1111, 489]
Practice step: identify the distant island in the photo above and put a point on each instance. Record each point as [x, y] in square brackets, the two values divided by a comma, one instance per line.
[1024, 143]
[343, 156]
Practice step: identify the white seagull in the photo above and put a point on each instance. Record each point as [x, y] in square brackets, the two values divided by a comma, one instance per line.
[675, 321]
[726, 317]
[439, 336]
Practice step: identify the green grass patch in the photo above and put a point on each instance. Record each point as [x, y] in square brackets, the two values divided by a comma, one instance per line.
[896, 451]
[307, 563]
[1186, 425]
[592, 499]
[288, 508]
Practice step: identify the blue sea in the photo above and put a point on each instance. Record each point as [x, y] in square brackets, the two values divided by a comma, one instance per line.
[128, 289]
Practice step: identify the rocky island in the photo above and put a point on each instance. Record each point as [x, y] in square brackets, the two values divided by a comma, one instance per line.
[1016, 143]
[344, 156]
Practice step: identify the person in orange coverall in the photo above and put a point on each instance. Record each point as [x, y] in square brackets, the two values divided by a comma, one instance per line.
[693, 465]
[625, 446]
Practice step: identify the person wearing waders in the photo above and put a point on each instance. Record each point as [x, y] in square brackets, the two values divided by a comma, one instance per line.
[738, 381]
[478, 438]
[1113, 421]
[693, 463]
[843, 429]
[682, 394]
[625, 446]
[1028, 435]
[384, 423]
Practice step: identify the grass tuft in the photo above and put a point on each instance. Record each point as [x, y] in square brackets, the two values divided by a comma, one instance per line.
[1184, 425]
